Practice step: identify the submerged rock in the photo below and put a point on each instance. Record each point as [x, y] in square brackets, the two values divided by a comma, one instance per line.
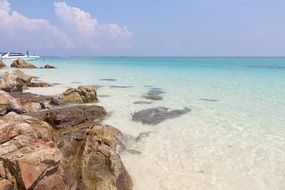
[143, 102]
[110, 80]
[82, 94]
[116, 86]
[8, 104]
[209, 100]
[154, 94]
[154, 116]
[21, 63]
[47, 66]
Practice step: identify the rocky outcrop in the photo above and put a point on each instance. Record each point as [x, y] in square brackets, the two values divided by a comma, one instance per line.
[29, 158]
[21, 63]
[17, 81]
[58, 146]
[47, 66]
[154, 116]
[82, 94]
[2, 64]
[33, 155]
[91, 159]
[8, 104]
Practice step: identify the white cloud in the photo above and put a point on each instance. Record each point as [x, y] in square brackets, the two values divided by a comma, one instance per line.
[24, 33]
[80, 31]
[81, 25]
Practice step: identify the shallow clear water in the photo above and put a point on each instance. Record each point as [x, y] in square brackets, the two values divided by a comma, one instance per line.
[234, 142]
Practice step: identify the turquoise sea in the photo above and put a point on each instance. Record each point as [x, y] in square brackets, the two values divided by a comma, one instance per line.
[234, 137]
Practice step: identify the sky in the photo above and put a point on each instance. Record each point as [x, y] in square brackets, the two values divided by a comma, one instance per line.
[144, 28]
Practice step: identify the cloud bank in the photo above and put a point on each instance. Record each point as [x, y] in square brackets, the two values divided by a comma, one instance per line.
[80, 31]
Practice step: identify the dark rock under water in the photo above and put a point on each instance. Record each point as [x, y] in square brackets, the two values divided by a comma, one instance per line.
[117, 86]
[209, 100]
[154, 94]
[111, 80]
[154, 116]
[142, 102]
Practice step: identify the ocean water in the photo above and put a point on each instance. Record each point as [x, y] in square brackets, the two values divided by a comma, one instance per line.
[234, 137]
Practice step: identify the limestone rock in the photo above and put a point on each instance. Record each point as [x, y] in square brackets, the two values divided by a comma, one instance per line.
[82, 94]
[21, 63]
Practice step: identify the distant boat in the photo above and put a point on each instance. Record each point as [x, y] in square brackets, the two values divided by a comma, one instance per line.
[14, 56]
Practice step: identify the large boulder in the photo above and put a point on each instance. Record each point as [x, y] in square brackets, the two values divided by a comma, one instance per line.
[91, 159]
[8, 104]
[21, 63]
[2, 64]
[82, 94]
[14, 80]
[29, 158]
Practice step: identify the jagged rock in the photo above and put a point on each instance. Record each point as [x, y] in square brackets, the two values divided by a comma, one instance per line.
[21, 63]
[91, 160]
[82, 94]
[86, 156]
[14, 81]
[2, 64]
[71, 115]
[6, 184]
[8, 104]
[154, 116]
[27, 153]
[47, 66]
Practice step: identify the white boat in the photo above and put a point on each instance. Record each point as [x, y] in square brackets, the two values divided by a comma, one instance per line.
[14, 56]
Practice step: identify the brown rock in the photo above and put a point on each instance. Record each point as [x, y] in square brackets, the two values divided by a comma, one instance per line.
[71, 116]
[8, 104]
[2, 64]
[14, 81]
[6, 184]
[92, 162]
[28, 155]
[21, 63]
[35, 102]
[82, 94]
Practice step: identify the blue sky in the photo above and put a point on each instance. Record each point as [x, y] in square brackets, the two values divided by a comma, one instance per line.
[144, 28]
